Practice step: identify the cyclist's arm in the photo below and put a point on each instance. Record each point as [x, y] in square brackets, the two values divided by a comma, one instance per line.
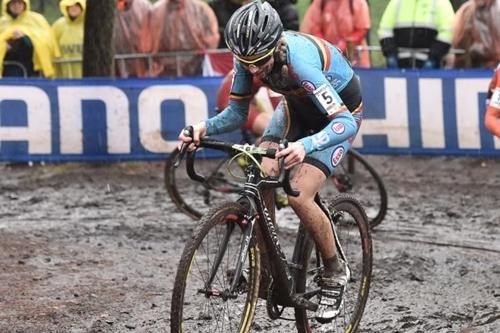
[492, 117]
[235, 114]
[342, 124]
[342, 127]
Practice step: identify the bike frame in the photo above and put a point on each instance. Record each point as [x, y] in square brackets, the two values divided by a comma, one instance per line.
[256, 208]
[257, 212]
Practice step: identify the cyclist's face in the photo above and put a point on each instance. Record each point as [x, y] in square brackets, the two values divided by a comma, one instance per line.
[259, 67]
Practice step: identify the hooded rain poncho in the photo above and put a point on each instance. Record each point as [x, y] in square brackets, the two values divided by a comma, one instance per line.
[36, 27]
[477, 31]
[69, 37]
[130, 23]
[181, 25]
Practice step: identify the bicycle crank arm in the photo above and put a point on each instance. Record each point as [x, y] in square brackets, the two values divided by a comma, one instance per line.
[225, 295]
[303, 303]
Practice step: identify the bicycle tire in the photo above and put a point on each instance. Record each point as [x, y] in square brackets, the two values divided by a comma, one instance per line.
[189, 304]
[360, 263]
[193, 198]
[364, 182]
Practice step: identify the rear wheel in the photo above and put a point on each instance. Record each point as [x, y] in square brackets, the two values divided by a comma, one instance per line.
[194, 198]
[355, 175]
[202, 304]
[353, 233]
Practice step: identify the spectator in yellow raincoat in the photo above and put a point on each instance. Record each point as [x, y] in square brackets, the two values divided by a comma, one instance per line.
[68, 31]
[26, 37]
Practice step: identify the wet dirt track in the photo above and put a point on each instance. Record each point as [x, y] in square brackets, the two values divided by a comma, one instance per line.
[94, 248]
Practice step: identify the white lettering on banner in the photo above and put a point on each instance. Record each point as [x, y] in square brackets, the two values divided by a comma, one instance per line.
[149, 109]
[395, 123]
[38, 130]
[467, 101]
[431, 113]
[117, 117]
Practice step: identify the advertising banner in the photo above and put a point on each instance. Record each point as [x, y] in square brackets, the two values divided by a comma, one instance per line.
[406, 112]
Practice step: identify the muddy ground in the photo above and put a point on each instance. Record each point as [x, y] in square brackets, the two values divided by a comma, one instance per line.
[94, 248]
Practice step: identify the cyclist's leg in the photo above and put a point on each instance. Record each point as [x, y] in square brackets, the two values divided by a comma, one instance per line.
[260, 122]
[308, 179]
[322, 162]
[276, 130]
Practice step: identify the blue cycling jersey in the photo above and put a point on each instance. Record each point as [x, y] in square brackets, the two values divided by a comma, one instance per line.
[316, 72]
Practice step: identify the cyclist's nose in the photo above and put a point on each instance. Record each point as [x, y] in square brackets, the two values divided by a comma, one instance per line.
[253, 69]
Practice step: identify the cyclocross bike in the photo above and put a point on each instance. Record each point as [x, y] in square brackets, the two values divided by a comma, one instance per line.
[218, 281]
[354, 175]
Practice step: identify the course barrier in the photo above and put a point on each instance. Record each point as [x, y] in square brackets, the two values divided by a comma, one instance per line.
[406, 112]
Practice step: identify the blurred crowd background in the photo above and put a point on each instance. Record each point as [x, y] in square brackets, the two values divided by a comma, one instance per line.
[168, 38]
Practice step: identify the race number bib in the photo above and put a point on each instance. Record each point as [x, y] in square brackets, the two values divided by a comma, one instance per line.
[328, 99]
[495, 98]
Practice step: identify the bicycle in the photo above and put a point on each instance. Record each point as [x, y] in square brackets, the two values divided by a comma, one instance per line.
[354, 175]
[218, 279]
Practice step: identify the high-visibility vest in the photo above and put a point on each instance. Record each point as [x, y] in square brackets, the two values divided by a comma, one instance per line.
[436, 15]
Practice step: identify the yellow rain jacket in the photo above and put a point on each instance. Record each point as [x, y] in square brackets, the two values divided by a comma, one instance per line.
[36, 27]
[69, 37]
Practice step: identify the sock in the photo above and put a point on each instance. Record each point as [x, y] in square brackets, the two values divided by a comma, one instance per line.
[333, 267]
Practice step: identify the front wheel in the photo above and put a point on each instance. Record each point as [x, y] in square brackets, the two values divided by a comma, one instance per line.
[354, 242]
[200, 300]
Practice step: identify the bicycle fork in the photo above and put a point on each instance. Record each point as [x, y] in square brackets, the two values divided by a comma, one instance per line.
[247, 225]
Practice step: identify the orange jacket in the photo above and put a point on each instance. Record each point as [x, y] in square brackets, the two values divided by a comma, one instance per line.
[340, 22]
[492, 117]
[180, 25]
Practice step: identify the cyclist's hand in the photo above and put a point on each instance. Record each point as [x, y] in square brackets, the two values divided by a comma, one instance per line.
[199, 131]
[295, 153]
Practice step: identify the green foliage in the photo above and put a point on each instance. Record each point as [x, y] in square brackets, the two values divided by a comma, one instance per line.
[48, 8]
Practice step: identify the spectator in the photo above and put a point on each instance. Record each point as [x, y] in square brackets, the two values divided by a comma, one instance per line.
[477, 31]
[26, 38]
[223, 10]
[180, 25]
[492, 117]
[341, 22]
[68, 32]
[131, 19]
[416, 34]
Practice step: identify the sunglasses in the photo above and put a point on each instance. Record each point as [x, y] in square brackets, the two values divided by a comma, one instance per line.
[257, 62]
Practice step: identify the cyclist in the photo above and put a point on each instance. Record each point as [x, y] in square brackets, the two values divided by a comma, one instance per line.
[319, 115]
[492, 117]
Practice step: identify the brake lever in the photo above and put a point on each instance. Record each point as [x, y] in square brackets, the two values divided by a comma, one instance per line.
[284, 177]
[187, 131]
[190, 168]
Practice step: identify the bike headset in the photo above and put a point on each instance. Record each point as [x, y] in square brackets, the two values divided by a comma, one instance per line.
[253, 30]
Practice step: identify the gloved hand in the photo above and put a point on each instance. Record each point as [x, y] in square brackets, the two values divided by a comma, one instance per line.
[429, 64]
[392, 62]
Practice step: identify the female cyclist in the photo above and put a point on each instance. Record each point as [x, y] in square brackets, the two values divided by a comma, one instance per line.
[320, 115]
